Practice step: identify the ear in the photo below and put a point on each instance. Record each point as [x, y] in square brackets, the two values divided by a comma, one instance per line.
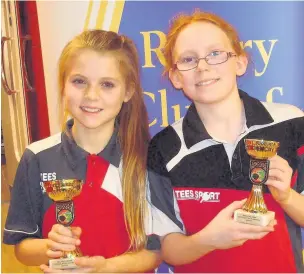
[241, 64]
[129, 92]
[176, 78]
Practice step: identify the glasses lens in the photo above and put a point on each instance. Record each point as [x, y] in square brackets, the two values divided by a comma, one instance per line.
[187, 63]
[217, 57]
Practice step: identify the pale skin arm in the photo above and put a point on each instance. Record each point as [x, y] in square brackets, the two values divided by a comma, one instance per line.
[280, 174]
[179, 249]
[141, 261]
[32, 252]
[221, 233]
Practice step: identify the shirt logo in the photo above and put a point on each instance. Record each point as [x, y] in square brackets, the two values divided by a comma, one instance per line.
[46, 176]
[198, 195]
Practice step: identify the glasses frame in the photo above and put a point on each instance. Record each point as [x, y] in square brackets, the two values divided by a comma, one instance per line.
[228, 54]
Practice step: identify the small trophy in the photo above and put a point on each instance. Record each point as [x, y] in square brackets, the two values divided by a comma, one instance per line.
[255, 210]
[62, 192]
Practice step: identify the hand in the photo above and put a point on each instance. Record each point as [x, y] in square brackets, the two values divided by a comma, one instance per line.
[62, 238]
[279, 179]
[86, 265]
[225, 233]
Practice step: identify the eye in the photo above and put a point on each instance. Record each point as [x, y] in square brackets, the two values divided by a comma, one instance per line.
[188, 59]
[107, 84]
[78, 82]
[215, 53]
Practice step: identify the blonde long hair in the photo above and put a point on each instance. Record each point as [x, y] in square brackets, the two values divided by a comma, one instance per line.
[133, 132]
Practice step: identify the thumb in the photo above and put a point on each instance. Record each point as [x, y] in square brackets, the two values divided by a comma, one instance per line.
[76, 231]
[229, 210]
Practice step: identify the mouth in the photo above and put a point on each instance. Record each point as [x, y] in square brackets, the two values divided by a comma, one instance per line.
[91, 109]
[207, 82]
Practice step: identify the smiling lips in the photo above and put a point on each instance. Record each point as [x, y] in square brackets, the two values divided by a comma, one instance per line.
[91, 109]
[207, 82]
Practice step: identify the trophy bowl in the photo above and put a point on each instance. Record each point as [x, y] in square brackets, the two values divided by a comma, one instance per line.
[63, 190]
[261, 149]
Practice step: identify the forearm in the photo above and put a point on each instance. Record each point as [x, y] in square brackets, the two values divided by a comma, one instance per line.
[32, 252]
[141, 261]
[179, 249]
[294, 207]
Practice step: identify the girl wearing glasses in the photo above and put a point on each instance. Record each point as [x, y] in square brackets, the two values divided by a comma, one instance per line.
[200, 166]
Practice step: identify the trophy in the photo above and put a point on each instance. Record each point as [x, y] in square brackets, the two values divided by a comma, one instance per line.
[62, 192]
[255, 210]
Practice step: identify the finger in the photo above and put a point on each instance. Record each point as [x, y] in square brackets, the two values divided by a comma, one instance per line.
[273, 223]
[76, 231]
[62, 230]
[54, 253]
[59, 246]
[239, 242]
[277, 184]
[243, 228]
[229, 210]
[278, 162]
[60, 238]
[278, 174]
[83, 270]
[253, 236]
[47, 269]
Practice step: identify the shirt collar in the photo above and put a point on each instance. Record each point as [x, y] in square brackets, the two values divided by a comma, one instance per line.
[194, 130]
[76, 155]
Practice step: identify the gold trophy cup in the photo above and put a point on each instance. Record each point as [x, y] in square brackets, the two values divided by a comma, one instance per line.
[255, 210]
[62, 193]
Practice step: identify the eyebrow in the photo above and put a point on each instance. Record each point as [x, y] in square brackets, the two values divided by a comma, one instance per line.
[187, 52]
[213, 46]
[107, 78]
[216, 46]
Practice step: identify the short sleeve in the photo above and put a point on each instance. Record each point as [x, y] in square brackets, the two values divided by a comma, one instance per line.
[23, 219]
[299, 132]
[163, 208]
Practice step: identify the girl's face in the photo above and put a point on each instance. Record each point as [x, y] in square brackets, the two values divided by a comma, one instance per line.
[206, 84]
[94, 90]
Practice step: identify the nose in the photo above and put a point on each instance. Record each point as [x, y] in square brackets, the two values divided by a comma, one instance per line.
[202, 65]
[92, 93]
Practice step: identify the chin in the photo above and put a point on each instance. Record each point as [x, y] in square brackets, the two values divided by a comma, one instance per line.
[91, 126]
[89, 123]
[209, 99]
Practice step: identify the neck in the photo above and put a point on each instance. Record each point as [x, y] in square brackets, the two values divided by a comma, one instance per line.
[223, 120]
[92, 140]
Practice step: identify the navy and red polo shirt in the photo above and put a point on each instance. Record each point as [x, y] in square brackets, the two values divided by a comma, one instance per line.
[99, 207]
[206, 175]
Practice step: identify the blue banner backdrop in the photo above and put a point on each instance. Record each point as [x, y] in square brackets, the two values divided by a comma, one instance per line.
[271, 32]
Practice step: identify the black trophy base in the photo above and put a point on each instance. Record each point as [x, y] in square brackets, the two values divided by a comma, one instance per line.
[66, 263]
[260, 219]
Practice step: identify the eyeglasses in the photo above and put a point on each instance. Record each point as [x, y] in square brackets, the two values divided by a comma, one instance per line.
[214, 58]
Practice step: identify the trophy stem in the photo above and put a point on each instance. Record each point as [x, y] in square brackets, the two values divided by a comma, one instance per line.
[255, 203]
[72, 254]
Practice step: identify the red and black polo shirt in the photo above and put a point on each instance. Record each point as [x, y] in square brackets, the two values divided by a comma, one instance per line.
[206, 175]
[99, 207]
